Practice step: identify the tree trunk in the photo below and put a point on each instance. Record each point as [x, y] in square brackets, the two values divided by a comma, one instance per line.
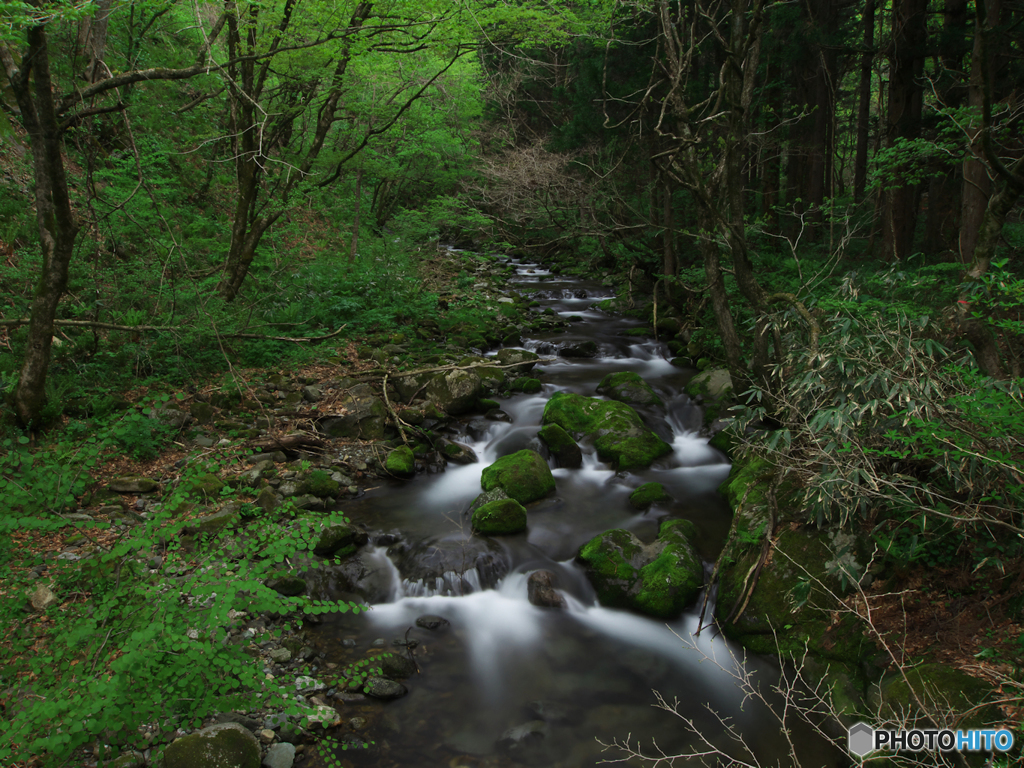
[92, 41]
[899, 211]
[860, 163]
[977, 185]
[54, 218]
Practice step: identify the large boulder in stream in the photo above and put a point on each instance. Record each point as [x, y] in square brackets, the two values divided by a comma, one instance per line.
[450, 566]
[618, 433]
[627, 387]
[565, 450]
[226, 745]
[499, 518]
[523, 475]
[659, 579]
[520, 360]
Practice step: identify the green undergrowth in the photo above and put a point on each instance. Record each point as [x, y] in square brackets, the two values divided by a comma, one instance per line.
[123, 647]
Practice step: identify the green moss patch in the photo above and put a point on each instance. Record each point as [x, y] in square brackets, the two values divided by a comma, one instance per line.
[619, 435]
[502, 517]
[648, 494]
[523, 475]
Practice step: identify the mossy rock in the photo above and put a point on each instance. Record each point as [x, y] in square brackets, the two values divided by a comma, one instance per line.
[648, 494]
[339, 540]
[401, 462]
[211, 525]
[627, 387]
[526, 385]
[455, 392]
[659, 579]
[794, 603]
[565, 450]
[286, 584]
[226, 745]
[619, 435]
[206, 486]
[523, 475]
[486, 405]
[713, 389]
[318, 483]
[949, 695]
[502, 517]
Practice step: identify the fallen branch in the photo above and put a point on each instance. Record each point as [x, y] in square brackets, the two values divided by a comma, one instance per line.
[288, 442]
[139, 328]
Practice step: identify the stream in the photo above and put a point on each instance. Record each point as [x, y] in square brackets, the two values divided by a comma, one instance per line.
[507, 683]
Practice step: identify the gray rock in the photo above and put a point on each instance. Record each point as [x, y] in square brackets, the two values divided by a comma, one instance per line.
[249, 723]
[363, 415]
[541, 590]
[311, 394]
[280, 756]
[43, 597]
[382, 688]
[281, 655]
[431, 622]
[307, 685]
[133, 485]
[226, 745]
[171, 417]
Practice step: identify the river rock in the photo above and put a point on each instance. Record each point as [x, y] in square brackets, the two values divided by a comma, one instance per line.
[362, 576]
[227, 745]
[431, 622]
[397, 666]
[579, 349]
[287, 585]
[361, 414]
[457, 453]
[339, 540]
[540, 589]
[565, 450]
[713, 389]
[455, 392]
[459, 564]
[627, 387]
[280, 756]
[401, 462]
[618, 433]
[648, 494]
[659, 579]
[521, 360]
[523, 475]
[502, 517]
[522, 740]
[249, 723]
[382, 688]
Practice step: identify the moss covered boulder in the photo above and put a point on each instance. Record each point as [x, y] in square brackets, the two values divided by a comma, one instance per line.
[627, 387]
[658, 579]
[286, 584]
[795, 601]
[526, 385]
[319, 483]
[362, 415]
[226, 745]
[565, 450]
[455, 392]
[713, 389]
[523, 475]
[648, 494]
[501, 517]
[401, 462]
[618, 433]
[520, 361]
[949, 695]
[339, 540]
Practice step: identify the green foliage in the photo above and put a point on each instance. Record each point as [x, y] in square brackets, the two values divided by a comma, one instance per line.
[144, 651]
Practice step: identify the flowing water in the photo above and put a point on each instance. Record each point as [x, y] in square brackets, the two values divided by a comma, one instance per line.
[506, 682]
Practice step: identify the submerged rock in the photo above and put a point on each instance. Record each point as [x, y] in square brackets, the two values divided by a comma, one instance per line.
[401, 462]
[618, 433]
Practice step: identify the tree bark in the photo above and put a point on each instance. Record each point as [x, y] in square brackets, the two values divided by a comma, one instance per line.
[860, 163]
[54, 217]
[899, 211]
